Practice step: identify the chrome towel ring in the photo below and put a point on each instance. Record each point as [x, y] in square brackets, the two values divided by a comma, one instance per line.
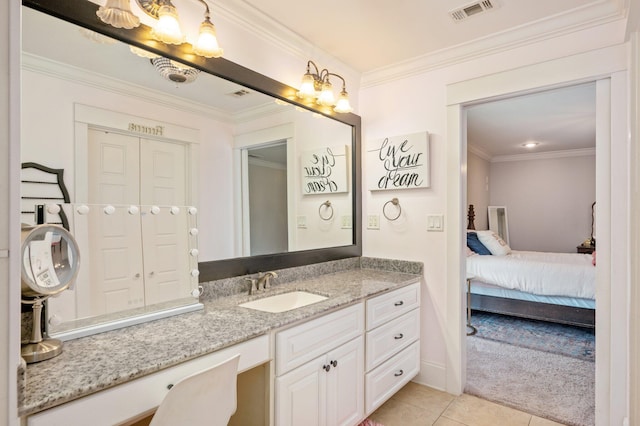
[395, 202]
[329, 208]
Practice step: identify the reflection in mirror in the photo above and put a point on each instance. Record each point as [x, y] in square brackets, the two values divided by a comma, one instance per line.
[498, 221]
[267, 199]
[81, 89]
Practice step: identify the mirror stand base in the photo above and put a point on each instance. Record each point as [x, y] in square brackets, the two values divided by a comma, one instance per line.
[40, 351]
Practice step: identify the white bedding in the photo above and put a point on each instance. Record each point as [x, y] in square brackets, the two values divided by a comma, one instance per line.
[547, 274]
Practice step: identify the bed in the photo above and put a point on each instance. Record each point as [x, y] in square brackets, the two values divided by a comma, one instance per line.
[555, 287]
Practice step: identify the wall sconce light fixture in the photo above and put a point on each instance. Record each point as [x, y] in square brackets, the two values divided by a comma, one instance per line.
[117, 13]
[316, 86]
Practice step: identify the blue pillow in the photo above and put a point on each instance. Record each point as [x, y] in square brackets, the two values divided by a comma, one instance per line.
[474, 244]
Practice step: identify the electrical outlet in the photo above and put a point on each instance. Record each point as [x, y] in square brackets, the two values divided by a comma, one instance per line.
[346, 222]
[435, 222]
[373, 221]
[302, 222]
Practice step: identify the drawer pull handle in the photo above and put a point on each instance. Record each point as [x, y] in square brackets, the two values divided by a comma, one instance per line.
[334, 363]
[399, 336]
[399, 373]
[400, 303]
[326, 367]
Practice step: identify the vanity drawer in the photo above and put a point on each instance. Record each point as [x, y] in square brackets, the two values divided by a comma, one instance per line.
[386, 340]
[302, 343]
[389, 377]
[391, 305]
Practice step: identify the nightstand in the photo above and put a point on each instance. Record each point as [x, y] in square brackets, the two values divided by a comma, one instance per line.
[585, 249]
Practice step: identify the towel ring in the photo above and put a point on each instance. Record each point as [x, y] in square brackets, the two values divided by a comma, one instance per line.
[329, 207]
[395, 202]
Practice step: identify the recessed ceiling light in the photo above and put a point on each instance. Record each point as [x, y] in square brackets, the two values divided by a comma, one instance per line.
[530, 144]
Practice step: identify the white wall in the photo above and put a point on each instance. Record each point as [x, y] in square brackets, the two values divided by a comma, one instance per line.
[424, 107]
[548, 201]
[9, 212]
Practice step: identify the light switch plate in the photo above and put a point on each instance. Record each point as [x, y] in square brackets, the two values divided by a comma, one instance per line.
[435, 222]
[346, 222]
[373, 221]
[302, 222]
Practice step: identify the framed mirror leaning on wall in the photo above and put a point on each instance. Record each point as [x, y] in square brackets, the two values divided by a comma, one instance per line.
[498, 221]
[78, 89]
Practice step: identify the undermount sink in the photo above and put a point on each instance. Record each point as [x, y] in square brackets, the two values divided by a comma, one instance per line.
[284, 302]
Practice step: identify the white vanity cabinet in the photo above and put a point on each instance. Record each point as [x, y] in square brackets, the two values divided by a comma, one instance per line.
[320, 371]
[393, 343]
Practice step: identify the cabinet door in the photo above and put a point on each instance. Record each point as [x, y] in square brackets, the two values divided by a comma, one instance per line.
[345, 384]
[300, 395]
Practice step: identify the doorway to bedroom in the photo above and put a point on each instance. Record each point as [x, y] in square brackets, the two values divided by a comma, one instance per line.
[532, 334]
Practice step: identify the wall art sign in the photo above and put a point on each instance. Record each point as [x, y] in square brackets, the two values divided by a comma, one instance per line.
[324, 171]
[398, 162]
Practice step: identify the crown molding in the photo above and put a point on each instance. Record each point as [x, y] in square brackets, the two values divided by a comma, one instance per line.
[266, 28]
[545, 155]
[478, 152]
[77, 75]
[595, 14]
[266, 164]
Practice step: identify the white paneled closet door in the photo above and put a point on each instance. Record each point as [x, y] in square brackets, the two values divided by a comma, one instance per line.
[127, 170]
[115, 251]
[165, 242]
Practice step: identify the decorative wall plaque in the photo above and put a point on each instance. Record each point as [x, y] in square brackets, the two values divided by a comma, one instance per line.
[324, 171]
[398, 162]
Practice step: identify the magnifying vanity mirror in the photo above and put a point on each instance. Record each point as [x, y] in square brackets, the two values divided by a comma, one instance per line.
[128, 132]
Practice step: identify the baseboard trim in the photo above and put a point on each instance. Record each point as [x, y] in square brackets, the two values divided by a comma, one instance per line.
[432, 375]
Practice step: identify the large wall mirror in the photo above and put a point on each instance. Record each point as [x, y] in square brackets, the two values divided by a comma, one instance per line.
[233, 143]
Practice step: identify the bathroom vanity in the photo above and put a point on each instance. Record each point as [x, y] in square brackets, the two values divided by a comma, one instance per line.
[343, 356]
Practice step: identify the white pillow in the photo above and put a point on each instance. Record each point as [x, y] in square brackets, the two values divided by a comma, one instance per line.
[493, 243]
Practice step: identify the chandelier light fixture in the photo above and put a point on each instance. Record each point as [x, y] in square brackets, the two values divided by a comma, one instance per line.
[174, 71]
[118, 14]
[167, 29]
[316, 87]
[207, 43]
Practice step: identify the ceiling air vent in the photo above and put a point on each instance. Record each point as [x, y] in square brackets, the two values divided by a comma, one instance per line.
[239, 93]
[471, 9]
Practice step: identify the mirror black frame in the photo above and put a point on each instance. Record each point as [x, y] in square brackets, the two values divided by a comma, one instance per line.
[83, 14]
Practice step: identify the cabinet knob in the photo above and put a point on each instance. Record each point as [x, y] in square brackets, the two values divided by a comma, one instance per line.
[334, 363]
[326, 367]
[400, 303]
[399, 336]
[399, 373]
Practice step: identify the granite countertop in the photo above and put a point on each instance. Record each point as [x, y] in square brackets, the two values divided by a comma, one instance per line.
[97, 362]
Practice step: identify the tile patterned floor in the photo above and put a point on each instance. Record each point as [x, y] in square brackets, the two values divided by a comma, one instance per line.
[417, 405]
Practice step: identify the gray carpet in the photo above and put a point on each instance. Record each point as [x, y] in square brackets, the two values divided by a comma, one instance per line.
[551, 386]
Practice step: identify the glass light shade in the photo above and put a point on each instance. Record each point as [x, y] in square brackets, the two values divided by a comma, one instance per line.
[343, 105]
[307, 87]
[167, 29]
[326, 97]
[207, 43]
[142, 53]
[118, 14]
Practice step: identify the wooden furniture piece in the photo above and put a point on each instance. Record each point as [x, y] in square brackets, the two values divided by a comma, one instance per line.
[585, 249]
[582, 317]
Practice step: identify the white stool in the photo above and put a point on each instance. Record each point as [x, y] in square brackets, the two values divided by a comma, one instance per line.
[205, 398]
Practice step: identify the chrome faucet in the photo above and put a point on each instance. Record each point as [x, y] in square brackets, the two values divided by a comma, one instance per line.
[264, 280]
